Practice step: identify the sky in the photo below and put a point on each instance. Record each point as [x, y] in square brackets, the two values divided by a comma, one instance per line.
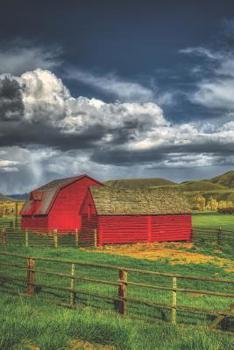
[115, 89]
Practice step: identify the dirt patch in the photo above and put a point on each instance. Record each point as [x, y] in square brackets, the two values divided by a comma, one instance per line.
[85, 345]
[175, 253]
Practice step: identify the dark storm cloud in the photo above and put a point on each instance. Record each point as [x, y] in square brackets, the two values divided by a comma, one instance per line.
[23, 134]
[11, 103]
[37, 109]
[121, 156]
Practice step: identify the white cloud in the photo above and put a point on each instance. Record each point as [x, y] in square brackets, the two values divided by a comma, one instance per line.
[44, 96]
[112, 85]
[216, 88]
[47, 101]
[19, 59]
[122, 133]
[8, 166]
[215, 93]
[201, 51]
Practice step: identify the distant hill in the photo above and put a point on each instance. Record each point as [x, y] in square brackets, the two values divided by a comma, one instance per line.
[201, 185]
[22, 196]
[13, 197]
[5, 198]
[226, 179]
[218, 183]
[220, 188]
[134, 183]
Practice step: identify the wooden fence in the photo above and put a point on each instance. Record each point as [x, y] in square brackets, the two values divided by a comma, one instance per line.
[11, 233]
[218, 235]
[29, 276]
[10, 236]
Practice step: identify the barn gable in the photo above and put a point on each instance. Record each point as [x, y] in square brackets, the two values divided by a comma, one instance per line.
[42, 199]
[109, 201]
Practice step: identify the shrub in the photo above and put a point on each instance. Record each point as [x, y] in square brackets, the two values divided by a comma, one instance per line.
[229, 210]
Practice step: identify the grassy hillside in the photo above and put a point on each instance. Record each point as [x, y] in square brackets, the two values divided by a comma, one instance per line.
[226, 179]
[220, 188]
[202, 185]
[133, 183]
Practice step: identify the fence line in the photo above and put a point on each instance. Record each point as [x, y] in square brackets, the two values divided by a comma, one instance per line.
[122, 282]
[11, 234]
[16, 236]
[219, 235]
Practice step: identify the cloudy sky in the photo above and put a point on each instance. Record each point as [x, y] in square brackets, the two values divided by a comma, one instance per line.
[115, 89]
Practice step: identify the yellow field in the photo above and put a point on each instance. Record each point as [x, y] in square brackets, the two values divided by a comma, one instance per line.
[175, 253]
[10, 207]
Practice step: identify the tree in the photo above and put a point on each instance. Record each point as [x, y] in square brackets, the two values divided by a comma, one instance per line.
[200, 202]
[212, 204]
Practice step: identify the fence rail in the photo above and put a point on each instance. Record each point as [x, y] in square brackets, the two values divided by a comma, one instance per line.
[12, 234]
[123, 287]
[218, 235]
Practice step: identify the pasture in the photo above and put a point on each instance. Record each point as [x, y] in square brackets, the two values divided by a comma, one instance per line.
[214, 220]
[38, 322]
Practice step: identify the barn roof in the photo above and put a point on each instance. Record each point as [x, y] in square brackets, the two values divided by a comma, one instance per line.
[42, 198]
[138, 201]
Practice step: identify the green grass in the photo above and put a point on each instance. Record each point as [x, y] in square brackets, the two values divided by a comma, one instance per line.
[136, 183]
[33, 322]
[39, 321]
[213, 220]
[36, 319]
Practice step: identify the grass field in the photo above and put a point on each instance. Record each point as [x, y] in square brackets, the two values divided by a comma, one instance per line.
[213, 220]
[38, 323]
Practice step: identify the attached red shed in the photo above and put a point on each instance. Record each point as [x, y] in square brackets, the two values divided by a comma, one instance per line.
[57, 205]
[125, 216]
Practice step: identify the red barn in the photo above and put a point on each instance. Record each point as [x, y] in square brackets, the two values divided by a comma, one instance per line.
[57, 205]
[125, 216]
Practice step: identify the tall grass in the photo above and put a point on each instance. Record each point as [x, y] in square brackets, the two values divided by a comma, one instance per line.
[40, 322]
[30, 322]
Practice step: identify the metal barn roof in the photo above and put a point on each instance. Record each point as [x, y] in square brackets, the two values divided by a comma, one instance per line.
[138, 201]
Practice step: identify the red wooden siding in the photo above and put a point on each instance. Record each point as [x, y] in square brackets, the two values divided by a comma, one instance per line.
[65, 212]
[171, 228]
[122, 229]
[142, 228]
[114, 229]
[88, 218]
[64, 207]
[36, 223]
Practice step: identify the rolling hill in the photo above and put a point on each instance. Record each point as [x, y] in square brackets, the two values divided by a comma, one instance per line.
[133, 183]
[221, 182]
[220, 188]
[226, 179]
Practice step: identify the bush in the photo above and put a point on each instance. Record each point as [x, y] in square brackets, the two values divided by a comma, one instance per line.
[229, 210]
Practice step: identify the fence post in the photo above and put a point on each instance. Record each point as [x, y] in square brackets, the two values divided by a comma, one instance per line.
[219, 235]
[76, 238]
[4, 238]
[122, 292]
[26, 238]
[95, 238]
[30, 276]
[72, 286]
[13, 225]
[16, 214]
[55, 232]
[173, 306]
